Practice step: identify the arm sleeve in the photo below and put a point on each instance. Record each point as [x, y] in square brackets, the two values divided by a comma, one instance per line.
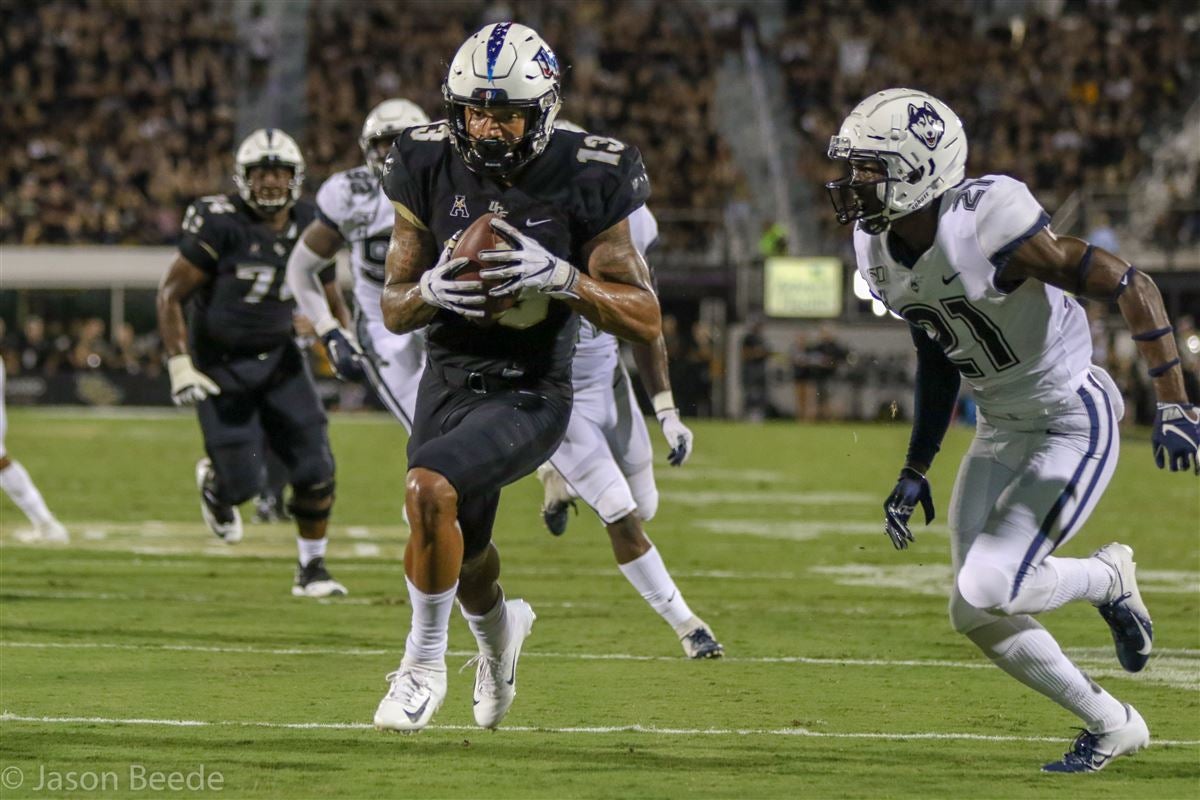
[331, 203]
[202, 237]
[934, 398]
[302, 265]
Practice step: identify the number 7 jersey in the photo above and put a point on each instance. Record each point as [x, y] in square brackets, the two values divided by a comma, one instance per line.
[1022, 346]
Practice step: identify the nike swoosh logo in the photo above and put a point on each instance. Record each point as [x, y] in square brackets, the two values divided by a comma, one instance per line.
[532, 224]
[946, 281]
[413, 716]
[513, 675]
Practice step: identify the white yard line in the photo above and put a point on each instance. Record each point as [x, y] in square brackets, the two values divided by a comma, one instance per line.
[580, 730]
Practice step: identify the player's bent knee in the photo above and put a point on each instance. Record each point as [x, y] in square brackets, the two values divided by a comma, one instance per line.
[966, 618]
[312, 502]
[645, 493]
[985, 587]
[431, 491]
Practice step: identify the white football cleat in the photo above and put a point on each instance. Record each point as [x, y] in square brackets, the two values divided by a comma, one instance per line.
[224, 521]
[416, 693]
[1091, 752]
[557, 498]
[51, 532]
[698, 640]
[496, 678]
[1124, 610]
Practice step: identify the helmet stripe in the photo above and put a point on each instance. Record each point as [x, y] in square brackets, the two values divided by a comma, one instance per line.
[495, 44]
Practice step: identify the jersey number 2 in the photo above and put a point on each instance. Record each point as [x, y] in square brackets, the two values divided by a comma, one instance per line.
[990, 338]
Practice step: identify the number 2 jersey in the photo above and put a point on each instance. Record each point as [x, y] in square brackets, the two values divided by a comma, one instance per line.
[246, 308]
[1022, 347]
[578, 187]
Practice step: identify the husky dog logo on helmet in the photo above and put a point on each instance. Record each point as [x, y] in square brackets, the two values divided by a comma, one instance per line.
[925, 124]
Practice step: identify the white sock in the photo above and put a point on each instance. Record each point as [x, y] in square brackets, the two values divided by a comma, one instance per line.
[649, 576]
[1025, 650]
[17, 484]
[1058, 581]
[490, 629]
[429, 637]
[310, 549]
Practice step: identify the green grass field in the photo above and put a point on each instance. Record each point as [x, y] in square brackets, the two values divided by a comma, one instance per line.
[146, 642]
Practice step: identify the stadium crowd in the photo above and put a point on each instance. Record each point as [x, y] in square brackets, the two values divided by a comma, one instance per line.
[114, 138]
[117, 115]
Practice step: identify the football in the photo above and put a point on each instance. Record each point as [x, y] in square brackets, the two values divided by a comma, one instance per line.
[474, 240]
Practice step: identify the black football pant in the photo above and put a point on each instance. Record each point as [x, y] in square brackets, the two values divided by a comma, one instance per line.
[267, 400]
[483, 438]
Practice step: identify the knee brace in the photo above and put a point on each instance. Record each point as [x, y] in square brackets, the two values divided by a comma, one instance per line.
[312, 502]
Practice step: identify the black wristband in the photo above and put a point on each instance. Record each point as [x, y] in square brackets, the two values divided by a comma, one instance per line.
[1162, 368]
[1150, 336]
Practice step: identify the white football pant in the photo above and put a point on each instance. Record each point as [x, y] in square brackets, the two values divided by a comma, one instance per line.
[606, 456]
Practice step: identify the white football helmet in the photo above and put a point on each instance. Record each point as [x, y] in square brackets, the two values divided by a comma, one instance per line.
[385, 122]
[914, 149]
[268, 147]
[504, 65]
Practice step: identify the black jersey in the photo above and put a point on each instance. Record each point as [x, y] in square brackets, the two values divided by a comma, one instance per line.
[580, 186]
[246, 308]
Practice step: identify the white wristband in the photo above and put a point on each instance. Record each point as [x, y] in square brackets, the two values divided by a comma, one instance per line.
[663, 401]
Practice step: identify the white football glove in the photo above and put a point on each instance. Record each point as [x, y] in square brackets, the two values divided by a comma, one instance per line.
[189, 385]
[440, 289]
[527, 265]
[679, 436]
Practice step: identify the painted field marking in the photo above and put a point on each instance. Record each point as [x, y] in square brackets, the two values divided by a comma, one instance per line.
[797, 530]
[579, 730]
[936, 579]
[1165, 670]
[767, 497]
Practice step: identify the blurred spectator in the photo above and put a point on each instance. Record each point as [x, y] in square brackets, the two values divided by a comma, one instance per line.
[702, 366]
[1103, 234]
[806, 392]
[825, 357]
[755, 354]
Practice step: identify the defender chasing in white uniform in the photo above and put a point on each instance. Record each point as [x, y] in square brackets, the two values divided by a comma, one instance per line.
[606, 459]
[986, 287]
[353, 210]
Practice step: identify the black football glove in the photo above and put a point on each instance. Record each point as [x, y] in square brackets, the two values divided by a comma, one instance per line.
[911, 488]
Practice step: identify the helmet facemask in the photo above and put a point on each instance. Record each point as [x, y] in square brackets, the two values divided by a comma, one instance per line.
[866, 193]
[375, 150]
[279, 198]
[499, 156]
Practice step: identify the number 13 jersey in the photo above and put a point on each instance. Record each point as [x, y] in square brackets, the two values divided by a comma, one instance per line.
[1023, 346]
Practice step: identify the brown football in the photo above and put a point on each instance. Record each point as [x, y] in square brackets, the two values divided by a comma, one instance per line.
[478, 237]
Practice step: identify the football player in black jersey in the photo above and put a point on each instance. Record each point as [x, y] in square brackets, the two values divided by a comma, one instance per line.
[235, 357]
[495, 397]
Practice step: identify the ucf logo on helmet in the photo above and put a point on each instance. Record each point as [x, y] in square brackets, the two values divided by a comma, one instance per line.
[925, 124]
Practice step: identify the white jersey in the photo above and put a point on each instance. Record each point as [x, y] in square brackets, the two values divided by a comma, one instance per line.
[597, 351]
[353, 202]
[1023, 350]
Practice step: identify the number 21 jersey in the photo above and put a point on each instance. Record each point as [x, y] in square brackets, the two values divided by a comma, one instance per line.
[1022, 346]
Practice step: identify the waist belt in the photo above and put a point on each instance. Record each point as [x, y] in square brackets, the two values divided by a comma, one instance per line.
[482, 383]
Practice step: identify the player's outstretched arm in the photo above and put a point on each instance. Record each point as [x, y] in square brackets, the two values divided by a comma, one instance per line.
[653, 370]
[316, 248]
[411, 252]
[188, 385]
[1076, 266]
